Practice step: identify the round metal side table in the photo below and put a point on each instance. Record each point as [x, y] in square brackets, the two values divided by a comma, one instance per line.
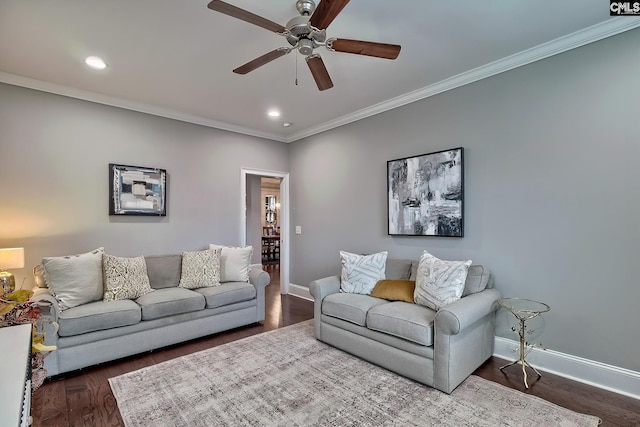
[523, 310]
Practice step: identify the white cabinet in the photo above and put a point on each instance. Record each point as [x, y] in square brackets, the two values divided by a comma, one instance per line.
[15, 372]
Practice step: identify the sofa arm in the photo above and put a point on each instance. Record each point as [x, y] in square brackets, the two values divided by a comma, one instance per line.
[322, 287]
[459, 315]
[258, 277]
[319, 289]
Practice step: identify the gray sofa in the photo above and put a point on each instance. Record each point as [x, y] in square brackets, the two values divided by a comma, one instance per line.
[100, 331]
[439, 349]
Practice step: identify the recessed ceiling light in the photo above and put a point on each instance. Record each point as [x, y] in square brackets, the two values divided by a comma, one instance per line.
[96, 63]
[273, 113]
[287, 124]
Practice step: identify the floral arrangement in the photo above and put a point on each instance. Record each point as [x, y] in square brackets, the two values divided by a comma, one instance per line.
[16, 309]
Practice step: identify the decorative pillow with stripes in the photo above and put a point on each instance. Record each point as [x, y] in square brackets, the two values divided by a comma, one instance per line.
[439, 282]
[360, 273]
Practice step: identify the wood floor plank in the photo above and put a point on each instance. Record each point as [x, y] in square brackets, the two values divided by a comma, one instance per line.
[84, 398]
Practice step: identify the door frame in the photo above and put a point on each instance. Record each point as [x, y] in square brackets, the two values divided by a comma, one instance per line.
[284, 217]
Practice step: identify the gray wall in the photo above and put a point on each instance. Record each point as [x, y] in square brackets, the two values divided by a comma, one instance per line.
[551, 191]
[55, 153]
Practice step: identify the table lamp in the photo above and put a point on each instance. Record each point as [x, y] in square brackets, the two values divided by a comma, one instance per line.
[9, 259]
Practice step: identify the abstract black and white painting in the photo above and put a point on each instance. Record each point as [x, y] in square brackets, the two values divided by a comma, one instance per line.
[426, 194]
[135, 190]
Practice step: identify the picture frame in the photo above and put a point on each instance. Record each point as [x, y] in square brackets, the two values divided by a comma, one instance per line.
[136, 190]
[425, 194]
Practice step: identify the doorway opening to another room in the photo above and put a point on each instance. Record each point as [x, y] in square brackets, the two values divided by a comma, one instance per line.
[265, 220]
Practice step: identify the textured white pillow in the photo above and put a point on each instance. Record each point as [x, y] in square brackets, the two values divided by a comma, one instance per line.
[439, 282]
[200, 269]
[234, 263]
[75, 279]
[360, 273]
[125, 278]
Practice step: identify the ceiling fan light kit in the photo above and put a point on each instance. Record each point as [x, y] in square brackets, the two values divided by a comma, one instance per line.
[305, 33]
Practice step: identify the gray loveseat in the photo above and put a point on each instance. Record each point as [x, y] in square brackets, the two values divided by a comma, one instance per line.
[439, 349]
[101, 331]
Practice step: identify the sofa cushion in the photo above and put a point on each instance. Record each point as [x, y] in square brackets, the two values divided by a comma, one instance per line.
[124, 278]
[200, 269]
[97, 316]
[227, 293]
[168, 302]
[75, 279]
[477, 279]
[164, 271]
[439, 282]
[360, 273]
[234, 262]
[394, 290]
[350, 307]
[404, 320]
[398, 269]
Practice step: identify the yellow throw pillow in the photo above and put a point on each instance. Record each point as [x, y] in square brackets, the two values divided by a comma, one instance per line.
[394, 290]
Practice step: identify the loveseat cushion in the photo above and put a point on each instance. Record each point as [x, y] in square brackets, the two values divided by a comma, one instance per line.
[404, 320]
[164, 271]
[227, 293]
[168, 302]
[350, 307]
[398, 269]
[97, 316]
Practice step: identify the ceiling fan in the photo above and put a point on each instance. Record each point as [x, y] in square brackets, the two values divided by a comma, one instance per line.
[305, 33]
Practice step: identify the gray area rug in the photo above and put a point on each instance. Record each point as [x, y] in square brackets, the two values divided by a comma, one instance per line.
[288, 378]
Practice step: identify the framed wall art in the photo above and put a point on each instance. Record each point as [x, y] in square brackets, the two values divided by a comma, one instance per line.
[135, 190]
[426, 194]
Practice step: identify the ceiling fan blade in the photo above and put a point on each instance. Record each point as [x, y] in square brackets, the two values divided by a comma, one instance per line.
[319, 72]
[260, 61]
[326, 12]
[243, 15]
[359, 47]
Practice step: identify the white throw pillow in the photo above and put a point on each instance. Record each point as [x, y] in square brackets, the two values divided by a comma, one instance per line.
[200, 269]
[439, 282]
[75, 279]
[125, 278]
[360, 273]
[234, 263]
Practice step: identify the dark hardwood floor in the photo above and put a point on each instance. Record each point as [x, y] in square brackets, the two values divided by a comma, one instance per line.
[84, 398]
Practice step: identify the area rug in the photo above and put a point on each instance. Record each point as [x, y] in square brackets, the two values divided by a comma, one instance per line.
[288, 378]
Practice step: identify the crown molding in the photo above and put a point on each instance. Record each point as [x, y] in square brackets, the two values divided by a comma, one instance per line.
[98, 98]
[603, 30]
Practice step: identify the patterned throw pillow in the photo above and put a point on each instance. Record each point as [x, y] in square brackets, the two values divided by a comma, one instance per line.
[439, 282]
[200, 269]
[125, 278]
[234, 263]
[75, 279]
[360, 273]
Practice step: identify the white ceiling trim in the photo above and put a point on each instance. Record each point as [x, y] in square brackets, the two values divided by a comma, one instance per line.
[609, 28]
[57, 89]
[583, 37]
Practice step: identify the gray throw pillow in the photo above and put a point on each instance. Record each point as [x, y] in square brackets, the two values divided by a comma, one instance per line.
[74, 279]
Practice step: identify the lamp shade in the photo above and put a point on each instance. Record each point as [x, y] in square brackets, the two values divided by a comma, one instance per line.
[11, 258]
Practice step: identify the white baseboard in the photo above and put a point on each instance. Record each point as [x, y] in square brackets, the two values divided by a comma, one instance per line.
[300, 291]
[601, 375]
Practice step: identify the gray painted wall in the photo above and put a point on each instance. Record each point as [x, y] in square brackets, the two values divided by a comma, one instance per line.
[55, 153]
[551, 191]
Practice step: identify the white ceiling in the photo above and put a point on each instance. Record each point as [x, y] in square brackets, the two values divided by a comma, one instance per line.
[174, 58]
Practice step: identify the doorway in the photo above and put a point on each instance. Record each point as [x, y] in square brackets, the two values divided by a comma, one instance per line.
[258, 209]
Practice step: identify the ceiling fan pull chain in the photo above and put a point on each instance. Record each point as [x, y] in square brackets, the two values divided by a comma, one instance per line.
[296, 70]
